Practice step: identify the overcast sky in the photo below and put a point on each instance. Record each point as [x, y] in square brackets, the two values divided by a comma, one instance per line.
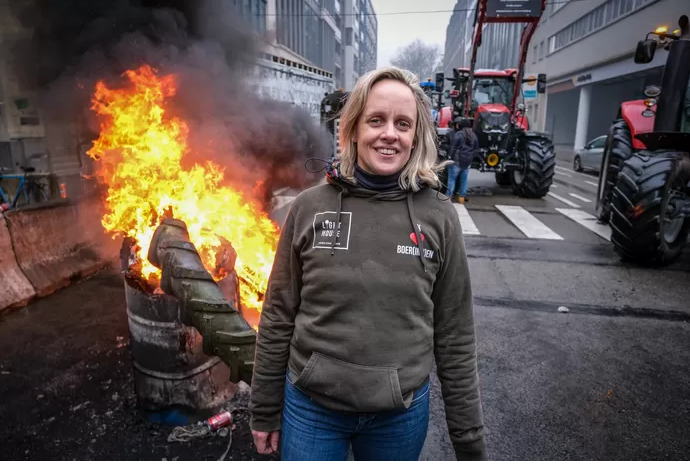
[398, 30]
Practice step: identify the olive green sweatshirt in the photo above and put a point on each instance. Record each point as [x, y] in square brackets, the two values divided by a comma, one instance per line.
[367, 288]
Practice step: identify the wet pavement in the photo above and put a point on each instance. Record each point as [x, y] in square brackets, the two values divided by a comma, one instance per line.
[66, 382]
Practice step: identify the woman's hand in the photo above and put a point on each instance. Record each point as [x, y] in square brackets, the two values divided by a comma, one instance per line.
[266, 443]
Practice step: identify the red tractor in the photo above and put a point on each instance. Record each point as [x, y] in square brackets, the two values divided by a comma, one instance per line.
[520, 157]
[644, 181]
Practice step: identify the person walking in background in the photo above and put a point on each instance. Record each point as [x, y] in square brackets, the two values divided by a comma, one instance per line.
[462, 147]
[370, 284]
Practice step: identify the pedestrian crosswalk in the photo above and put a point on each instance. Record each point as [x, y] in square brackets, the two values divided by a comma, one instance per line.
[532, 227]
[527, 223]
[551, 224]
[468, 226]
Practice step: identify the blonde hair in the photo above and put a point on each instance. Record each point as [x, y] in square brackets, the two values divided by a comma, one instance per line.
[423, 163]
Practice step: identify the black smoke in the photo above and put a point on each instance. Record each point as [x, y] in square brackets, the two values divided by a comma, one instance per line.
[75, 43]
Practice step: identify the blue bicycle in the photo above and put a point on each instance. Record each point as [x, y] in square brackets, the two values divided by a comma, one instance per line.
[32, 191]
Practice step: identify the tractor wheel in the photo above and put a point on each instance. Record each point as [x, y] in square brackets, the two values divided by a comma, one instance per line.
[503, 179]
[650, 188]
[617, 150]
[535, 179]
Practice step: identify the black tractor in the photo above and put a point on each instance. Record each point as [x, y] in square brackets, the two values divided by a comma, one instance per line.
[644, 182]
[331, 106]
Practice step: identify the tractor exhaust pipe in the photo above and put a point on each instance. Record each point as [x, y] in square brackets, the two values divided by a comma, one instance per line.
[225, 333]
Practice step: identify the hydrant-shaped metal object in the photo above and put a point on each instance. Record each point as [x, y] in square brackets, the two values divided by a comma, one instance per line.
[225, 333]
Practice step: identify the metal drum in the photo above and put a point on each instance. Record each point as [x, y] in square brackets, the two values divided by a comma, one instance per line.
[175, 382]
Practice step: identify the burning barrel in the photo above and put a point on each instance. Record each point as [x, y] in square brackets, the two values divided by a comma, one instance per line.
[175, 382]
[189, 343]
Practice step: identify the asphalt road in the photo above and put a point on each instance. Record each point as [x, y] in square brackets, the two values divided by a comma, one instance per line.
[606, 380]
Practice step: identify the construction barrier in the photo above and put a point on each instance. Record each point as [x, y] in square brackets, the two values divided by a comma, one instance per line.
[15, 288]
[53, 245]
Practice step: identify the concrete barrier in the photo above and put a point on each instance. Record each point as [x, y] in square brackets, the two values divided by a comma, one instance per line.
[15, 288]
[55, 245]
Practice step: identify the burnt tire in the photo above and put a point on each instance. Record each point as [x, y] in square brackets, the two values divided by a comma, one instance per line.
[617, 150]
[640, 231]
[535, 180]
[503, 179]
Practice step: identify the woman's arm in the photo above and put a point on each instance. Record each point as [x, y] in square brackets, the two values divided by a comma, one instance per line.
[275, 333]
[455, 349]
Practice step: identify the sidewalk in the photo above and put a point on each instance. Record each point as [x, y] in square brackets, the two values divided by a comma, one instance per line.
[564, 154]
[67, 388]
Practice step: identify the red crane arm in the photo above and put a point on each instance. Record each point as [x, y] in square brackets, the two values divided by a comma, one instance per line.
[480, 19]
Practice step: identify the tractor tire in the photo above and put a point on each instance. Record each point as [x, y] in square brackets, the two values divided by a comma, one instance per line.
[540, 160]
[640, 231]
[503, 179]
[617, 150]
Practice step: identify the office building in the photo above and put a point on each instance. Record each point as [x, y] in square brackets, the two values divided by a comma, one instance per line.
[586, 49]
[500, 46]
[360, 37]
[368, 38]
[338, 36]
[454, 50]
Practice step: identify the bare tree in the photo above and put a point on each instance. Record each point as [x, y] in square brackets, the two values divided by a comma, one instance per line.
[420, 58]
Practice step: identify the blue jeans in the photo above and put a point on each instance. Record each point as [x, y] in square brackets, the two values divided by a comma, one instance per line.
[455, 174]
[312, 432]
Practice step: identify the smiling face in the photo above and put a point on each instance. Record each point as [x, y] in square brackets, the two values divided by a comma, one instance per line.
[386, 129]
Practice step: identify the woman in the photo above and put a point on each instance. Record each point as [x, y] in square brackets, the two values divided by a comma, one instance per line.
[463, 146]
[370, 283]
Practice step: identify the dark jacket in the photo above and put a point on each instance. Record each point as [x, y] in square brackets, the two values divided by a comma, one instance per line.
[358, 307]
[462, 150]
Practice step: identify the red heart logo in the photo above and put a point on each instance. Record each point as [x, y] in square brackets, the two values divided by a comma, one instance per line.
[413, 236]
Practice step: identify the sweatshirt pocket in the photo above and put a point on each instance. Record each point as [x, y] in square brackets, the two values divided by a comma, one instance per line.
[351, 387]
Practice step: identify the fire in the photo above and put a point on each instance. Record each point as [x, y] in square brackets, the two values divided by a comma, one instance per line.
[140, 151]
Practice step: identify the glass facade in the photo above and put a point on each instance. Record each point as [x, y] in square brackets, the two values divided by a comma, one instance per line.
[454, 50]
[254, 12]
[500, 46]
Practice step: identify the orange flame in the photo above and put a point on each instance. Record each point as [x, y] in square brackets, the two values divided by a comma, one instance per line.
[140, 153]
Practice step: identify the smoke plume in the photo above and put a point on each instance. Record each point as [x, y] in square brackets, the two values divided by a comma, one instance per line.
[205, 44]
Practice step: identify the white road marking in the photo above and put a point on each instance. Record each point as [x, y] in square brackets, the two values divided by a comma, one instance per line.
[280, 201]
[527, 223]
[588, 221]
[554, 185]
[468, 226]
[565, 201]
[579, 197]
[565, 169]
[592, 183]
[564, 174]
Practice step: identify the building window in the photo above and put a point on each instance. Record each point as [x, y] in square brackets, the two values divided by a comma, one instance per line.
[557, 5]
[534, 54]
[596, 19]
[541, 50]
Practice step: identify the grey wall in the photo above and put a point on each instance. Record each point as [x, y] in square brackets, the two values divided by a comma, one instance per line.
[615, 41]
[561, 116]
